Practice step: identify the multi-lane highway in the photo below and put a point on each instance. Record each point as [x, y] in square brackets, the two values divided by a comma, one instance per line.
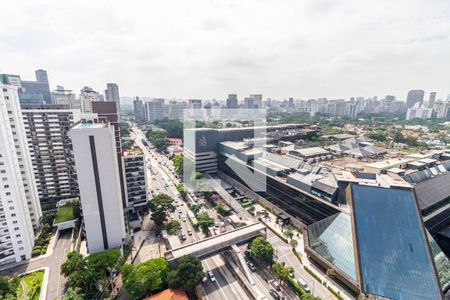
[162, 179]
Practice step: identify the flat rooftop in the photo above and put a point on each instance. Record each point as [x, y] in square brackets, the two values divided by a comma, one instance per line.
[311, 151]
[90, 125]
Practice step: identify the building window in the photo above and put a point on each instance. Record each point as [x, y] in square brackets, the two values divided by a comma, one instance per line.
[16, 228]
[21, 248]
[6, 186]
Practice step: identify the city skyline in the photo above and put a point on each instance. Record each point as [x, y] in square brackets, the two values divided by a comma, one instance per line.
[209, 49]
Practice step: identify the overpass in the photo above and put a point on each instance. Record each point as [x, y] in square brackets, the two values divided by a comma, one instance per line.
[216, 244]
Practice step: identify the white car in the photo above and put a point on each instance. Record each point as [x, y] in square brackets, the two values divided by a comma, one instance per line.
[184, 219]
[304, 285]
[211, 276]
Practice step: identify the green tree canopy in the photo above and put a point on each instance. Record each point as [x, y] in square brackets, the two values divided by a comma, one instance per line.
[158, 138]
[173, 226]
[160, 205]
[146, 277]
[73, 294]
[281, 272]
[189, 273]
[182, 190]
[8, 287]
[204, 220]
[261, 249]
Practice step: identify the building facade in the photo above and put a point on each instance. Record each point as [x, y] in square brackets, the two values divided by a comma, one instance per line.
[232, 101]
[135, 179]
[47, 131]
[112, 94]
[19, 206]
[414, 96]
[99, 184]
[87, 96]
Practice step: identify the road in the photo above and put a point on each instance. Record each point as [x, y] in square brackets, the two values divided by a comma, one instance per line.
[53, 262]
[162, 179]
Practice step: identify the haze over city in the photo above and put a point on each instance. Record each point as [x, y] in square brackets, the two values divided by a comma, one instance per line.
[207, 49]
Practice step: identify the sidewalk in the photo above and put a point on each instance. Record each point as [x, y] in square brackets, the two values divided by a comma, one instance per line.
[271, 222]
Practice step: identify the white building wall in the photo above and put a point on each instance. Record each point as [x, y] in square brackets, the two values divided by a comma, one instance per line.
[19, 205]
[109, 186]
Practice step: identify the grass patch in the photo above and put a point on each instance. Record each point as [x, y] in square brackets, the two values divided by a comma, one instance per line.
[30, 286]
[65, 213]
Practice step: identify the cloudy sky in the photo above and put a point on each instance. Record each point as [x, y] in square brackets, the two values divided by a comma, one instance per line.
[209, 48]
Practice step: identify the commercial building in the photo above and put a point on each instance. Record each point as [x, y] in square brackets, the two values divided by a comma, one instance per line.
[36, 92]
[232, 101]
[19, 206]
[87, 96]
[47, 131]
[112, 94]
[414, 96]
[153, 110]
[138, 110]
[419, 111]
[95, 155]
[135, 179]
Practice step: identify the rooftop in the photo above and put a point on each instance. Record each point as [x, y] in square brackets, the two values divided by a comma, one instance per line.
[90, 125]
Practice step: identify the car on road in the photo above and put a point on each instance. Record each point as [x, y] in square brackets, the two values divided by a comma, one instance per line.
[274, 294]
[189, 231]
[183, 236]
[211, 276]
[204, 279]
[275, 284]
[251, 266]
[179, 210]
[304, 285]
[183, 219]
[172, 216]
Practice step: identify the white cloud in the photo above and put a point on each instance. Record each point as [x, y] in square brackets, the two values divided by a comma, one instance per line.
[208, 48]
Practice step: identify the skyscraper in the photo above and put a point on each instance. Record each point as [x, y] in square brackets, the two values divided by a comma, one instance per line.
[65, 97]
[41, 76]
[47, 131]
[432, 99]
[195, 103]
[138, 109]
[257, 100]
[112, 94]
[232, 101]
[99, 183]
[153, 110]
[413, 97]
[20, 210]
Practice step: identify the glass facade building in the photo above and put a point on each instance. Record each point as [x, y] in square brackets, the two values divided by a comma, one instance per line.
[332, 239]
[394, 258]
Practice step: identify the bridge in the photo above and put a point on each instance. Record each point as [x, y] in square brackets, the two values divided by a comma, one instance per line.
[216, 244]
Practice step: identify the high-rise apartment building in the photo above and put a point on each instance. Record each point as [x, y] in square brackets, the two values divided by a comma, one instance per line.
[249, 102]
[94, 149]
[112, 94]
[19, 206]
[65, 97]
[47, 130]
[419, 112]
[232, 101]
[135, 176]
[138, 109]
[413, 97]
[107, 112]
[87, 96]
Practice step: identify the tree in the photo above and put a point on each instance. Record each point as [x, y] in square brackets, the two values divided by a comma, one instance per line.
[188, 274]
[105, 261]
[293, 243]
[281, 272]
[261, 249]
[173, 226]
[158, 138]
[75, 262]
[178, 162]
[331, 273]
[147, 277]
[73, 294]
[8, 287]
[160, 205]
[251, 210]
[204, 220]
[182, 190]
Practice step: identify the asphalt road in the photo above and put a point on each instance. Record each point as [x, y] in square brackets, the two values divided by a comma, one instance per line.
[162, 180]
[53, 262]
